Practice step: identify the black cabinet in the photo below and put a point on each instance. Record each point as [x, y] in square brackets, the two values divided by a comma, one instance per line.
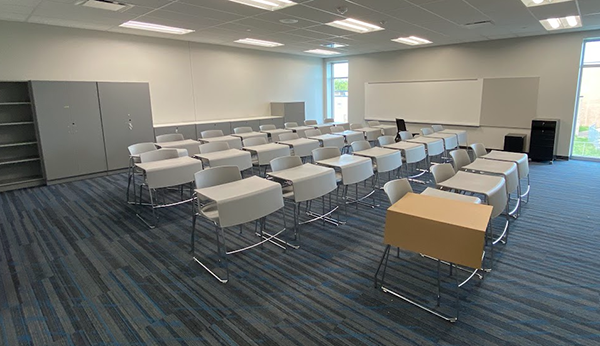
[514, 142]
[544, 135]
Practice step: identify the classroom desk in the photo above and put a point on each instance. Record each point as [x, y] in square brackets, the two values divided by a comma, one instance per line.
[302, 147]
[309, 182]
[236, 204]
[412, 153]
[234, 142]
[504, 168]
[329, 140]
[384, 160]
[274, 134]
[342, 124]
[166, 173]
[435, 146]
[190, 145]
[445, 229]
[253, 134]
[387, 130]
[522, 161]
[450, 140]
[324, 128]
[230, 157]
[429, 191]
[371, 133]
[300, 130]
[461, 135]
[266, 152]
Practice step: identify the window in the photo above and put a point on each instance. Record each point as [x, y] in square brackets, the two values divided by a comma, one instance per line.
[586, 136]
[338, 91]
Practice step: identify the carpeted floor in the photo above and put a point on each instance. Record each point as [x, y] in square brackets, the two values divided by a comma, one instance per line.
[78, 268]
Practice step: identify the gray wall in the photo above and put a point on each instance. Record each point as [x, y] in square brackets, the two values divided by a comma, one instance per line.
[554, 58]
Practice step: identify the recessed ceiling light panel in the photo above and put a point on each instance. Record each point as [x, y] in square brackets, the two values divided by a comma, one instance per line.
[334, 45]
[155, 27]
[533, 3]
[569, 22]
[355, 25]
[107, 5]
[321, 52]
[270, 5]
[412, 40]
[260, 43]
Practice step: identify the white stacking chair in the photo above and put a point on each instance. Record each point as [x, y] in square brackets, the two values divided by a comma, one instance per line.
[325, 153]
[248, 142]
[478, 149]
[285, 162]
[437, 128]
[171, 137]
[373, 123]
[460, 158]
[310, 122]
[290, 125]
[384, 140]
[288, 136]
[312, 133]
[405, 135]
[396, 189]
[442, 172]
[243, 129]
[267, 127]
[157, 155]
[337, 129]
[426, 131]
[134, 157]
[328, 120]
[355, 126]
[213, 147]
[211, 134]
[360, 145]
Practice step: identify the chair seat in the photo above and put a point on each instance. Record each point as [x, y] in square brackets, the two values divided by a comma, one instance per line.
[210, 212]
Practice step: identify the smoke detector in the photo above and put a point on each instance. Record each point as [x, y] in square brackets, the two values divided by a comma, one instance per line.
[105, 5]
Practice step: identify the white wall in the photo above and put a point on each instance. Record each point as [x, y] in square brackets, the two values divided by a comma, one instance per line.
[554, 58]
[188, 81]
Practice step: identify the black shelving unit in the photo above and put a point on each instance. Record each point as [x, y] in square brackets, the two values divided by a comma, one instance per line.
[543, 139]
[20, 160]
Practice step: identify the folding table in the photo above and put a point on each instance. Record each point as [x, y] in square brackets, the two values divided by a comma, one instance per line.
[461, 135]
[388, 130]
[329, 140]
[301, 147]
[385, 160]
[413, 153]
[239, 202]
[166, 173]
[274, 134]
[234, 142]
[450, 141]
[190, 145]
[300, 130]
[230, 157]
[264, 153]
[253, 134]
[324, 128]
[522, 161]
[371, 133]
[434, 146]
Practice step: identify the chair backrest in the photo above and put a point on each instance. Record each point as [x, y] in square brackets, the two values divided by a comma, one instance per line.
[310, 122]
[157, 155]
[400, 124]
[136, 149]
[404, 135]
[373, 123]
[498, 199]
[243, 129]
[461, 158]
[212, 147]
[478, 149]
[384, 140]
[396, 189]
[171, 137]
[328, 120]
[442, 172]
[267, 127]
[360, 145]
[312, 133]
[336, 129]
[217, 176]
[437, 128]
[325, 153]
[248, 142]
[285, 162]
[355, 126]
[288, 136]
[211, 133]
[290, 124]
[426, 131]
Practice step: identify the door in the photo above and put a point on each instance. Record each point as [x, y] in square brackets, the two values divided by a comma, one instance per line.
[126, 119]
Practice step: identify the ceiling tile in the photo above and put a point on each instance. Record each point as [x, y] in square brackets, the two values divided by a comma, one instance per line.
[276, 16]
[561, 9]
[264, 25]
[310, 13]
[352, 10]
[68, 23]
[415, 15]
[15, 9]
[18, 17]
[28, 3]
[310, 34]
[382, 5]
[589, 6]
[456, 11]
[227, 6]
[201, 12]
[179, 20]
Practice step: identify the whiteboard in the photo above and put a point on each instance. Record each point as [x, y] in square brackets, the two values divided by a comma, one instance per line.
[509, 102]
[449, 102]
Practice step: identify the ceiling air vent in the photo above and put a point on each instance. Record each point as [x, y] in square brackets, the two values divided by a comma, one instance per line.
[105, 5]
[478, 24]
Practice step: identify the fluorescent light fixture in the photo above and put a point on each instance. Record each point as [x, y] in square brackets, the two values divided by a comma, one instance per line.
[533, 3]
[270, 5]
[563, 23]
[334, 45]
[155, 27]
[261, 43]
[355, 25]
[107, 5]
[321, 52]
[412, 40]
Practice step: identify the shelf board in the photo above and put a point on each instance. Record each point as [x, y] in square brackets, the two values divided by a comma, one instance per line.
[12, 162]
[9, 145]
[17, 123]
[23, 180]
[14, 103]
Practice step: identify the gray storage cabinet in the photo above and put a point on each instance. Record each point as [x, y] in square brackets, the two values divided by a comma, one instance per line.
[70, 127]
[290, 111]
[126, 119]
